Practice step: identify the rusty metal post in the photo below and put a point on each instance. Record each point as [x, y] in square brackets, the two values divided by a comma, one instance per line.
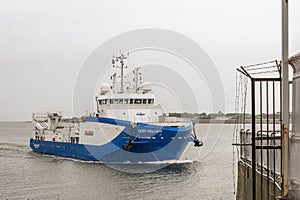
[285, 98]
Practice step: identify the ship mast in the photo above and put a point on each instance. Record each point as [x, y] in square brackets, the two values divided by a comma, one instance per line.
[121, 59]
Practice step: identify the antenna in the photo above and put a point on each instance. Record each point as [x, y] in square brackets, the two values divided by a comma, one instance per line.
[137, 78]
[121, 60]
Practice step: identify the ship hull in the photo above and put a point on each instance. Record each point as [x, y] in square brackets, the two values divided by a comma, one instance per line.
[147, 143]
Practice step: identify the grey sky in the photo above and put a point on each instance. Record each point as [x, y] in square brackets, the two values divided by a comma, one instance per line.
[44, 43]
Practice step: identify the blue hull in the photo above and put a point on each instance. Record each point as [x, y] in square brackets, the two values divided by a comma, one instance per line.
[166, 143]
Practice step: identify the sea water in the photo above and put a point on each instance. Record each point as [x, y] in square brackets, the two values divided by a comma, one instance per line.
[28, 175]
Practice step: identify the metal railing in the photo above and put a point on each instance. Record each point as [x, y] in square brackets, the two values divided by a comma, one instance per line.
[261, 144]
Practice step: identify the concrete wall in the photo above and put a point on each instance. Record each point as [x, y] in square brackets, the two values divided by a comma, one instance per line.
[244, 185]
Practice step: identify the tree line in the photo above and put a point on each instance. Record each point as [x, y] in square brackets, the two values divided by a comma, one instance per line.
[217, 115]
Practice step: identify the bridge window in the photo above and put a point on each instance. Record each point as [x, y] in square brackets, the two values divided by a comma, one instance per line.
[115, 101]
[121, 101]
[103, 101]
[137, 101]
[131, 101]
[125, 101]
[144, 101]
[150, 101]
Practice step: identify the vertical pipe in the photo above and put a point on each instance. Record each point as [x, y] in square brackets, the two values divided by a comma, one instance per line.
[122, 77]
[261, 142]
[274, 141]
[281, 130]
[285, 97]
[242, 142]
[253, 140]
[268, 152]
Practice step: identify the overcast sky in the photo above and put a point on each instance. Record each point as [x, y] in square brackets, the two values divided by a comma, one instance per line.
[44, 43]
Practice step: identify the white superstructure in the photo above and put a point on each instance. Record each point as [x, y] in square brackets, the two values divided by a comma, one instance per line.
[134, 101]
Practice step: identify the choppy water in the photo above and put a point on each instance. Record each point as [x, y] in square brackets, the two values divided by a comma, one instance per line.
[28, 175]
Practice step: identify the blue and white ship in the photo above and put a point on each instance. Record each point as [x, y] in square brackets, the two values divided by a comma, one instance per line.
[128, 126]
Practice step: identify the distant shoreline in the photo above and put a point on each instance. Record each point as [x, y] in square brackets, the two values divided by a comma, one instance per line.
[230, 121]
[196, 121]
[15, 121]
